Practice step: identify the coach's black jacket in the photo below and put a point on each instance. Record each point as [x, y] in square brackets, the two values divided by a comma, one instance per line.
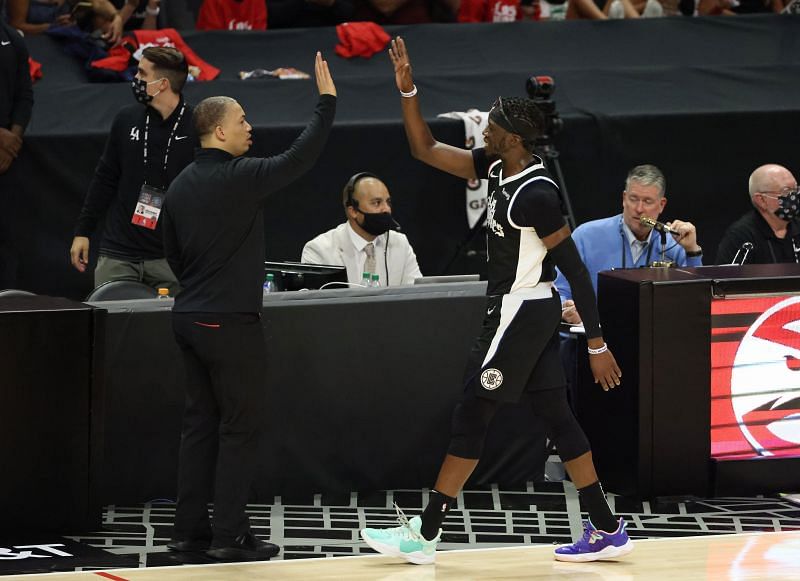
[213, 224]
[16, 94]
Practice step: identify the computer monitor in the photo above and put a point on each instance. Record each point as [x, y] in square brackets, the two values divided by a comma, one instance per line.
[291, 276]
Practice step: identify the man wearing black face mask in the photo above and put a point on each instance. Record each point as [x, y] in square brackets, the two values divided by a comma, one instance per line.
[366, 243]
[146, 149]
[771, 226]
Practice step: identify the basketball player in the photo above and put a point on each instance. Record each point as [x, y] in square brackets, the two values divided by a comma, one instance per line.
[515, 358]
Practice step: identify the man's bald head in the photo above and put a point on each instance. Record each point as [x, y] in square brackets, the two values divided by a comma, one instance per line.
[769, 185]
[770, 178]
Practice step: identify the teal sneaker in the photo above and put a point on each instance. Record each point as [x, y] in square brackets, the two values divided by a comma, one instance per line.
[405, 541]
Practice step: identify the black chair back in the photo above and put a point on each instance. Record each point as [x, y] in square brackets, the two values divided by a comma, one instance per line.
[13, 292]
[120, 290]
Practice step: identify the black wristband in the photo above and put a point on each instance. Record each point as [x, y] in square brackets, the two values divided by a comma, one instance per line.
[694, 254]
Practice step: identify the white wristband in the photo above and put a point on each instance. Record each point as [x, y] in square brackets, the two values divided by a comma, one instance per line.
[598, 351]
[410, 93]
[153, 11]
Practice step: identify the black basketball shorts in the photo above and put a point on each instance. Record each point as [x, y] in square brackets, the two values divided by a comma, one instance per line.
[517, 349]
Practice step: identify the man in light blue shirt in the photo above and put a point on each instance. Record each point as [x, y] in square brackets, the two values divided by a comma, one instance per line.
[623, 241]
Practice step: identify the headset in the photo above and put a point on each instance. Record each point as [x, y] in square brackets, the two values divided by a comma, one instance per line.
[350, 187]
[349, 190]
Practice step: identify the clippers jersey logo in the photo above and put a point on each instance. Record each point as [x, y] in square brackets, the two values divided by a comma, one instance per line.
[491, 379]
[764, 376]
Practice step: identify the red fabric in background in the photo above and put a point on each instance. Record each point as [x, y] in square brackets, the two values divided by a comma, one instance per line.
[119, 56]
[35, 69]
[411, 12]
[232, 15]
[489, 11]
[362, 39]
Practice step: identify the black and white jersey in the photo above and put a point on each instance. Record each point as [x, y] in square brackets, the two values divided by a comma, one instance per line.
[521, 210]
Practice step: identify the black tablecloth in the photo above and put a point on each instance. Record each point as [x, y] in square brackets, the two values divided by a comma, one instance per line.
[360, 390]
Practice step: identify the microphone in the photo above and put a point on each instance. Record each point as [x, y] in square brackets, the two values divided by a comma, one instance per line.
[656, 225]
[744, 248]
[396, 225]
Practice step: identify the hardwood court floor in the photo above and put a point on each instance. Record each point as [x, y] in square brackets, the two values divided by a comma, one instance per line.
[763, 556]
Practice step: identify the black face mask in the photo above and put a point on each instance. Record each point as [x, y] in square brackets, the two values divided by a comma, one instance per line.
[139, 88]
[788, 206]
[377, 224]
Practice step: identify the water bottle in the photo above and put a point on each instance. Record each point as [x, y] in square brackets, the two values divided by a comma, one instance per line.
[163, 293]
[366, 279]
[376, 282]
[269, 284]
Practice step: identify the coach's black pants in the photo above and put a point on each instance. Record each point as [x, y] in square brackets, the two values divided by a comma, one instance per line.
[11, 224]
[224, 358]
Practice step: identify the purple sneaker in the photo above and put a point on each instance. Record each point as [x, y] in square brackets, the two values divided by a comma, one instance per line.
[597, 545]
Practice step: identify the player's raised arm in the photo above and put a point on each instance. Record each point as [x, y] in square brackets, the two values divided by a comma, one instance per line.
[424, 147]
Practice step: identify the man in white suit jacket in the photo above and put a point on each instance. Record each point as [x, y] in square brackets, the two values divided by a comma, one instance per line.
[368, 207]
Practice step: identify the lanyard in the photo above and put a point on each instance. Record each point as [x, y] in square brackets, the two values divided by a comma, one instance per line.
[795, 250]
[169, 141]
[626, 245]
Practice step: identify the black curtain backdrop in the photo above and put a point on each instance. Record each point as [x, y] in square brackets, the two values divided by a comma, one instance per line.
[706, 99]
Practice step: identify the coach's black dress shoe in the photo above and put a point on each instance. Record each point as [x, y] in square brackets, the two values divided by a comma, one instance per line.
[189, 545]
[246, 547]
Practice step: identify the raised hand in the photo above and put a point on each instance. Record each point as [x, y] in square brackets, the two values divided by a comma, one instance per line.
[402, 65]
[323, 76]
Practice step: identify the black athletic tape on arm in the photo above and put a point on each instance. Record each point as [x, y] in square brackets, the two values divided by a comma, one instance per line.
[568, 260]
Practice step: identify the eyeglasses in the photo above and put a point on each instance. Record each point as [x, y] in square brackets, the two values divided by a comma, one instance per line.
[782, 193]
